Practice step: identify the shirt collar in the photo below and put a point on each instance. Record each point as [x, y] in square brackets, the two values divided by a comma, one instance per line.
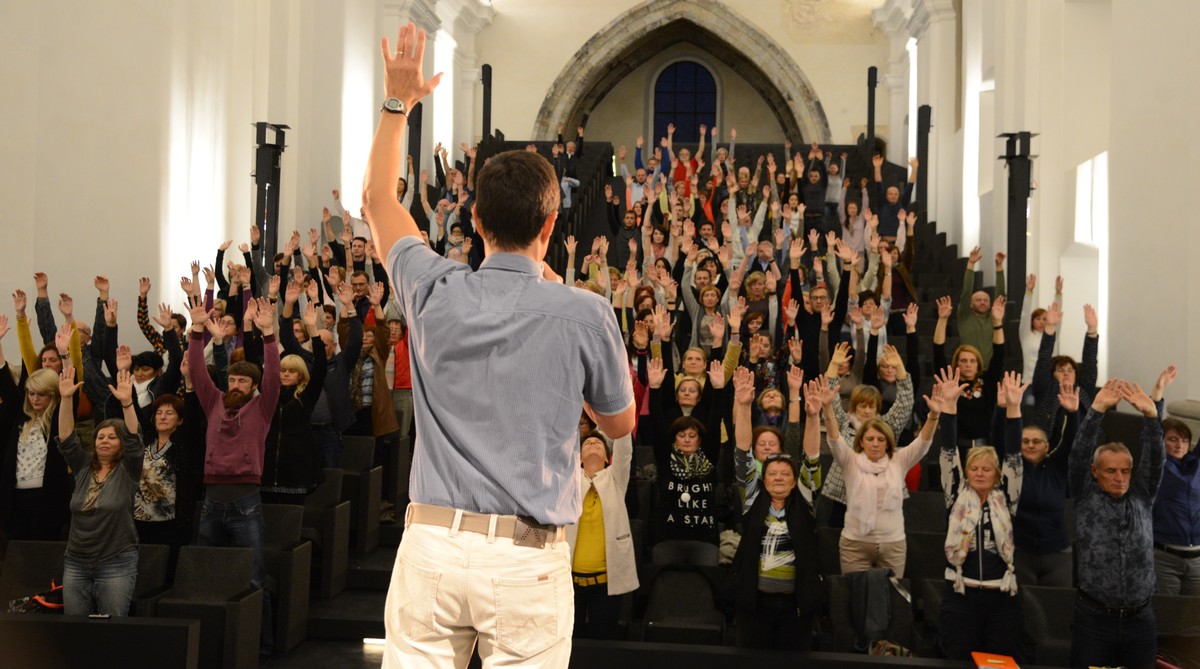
[511, 262]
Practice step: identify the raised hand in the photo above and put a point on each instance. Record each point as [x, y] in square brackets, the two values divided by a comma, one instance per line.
[796, 251]
[3, 325]
[244, 247]
[199, 316]
[66, 306]
[1092, 320]
[405, 78]
[796, 349]
[1000, 256]
[655, 373]
[310, 317]
[62, 338]
[974, 257]
[1058, 285]
[736, 311]
[877, 320]
[998, 310]
[185, 284]
[946, 392]
[67, 386]
[716, 375]
[163, 318]
[662, 323]
[264, 317]
[792, 310]
[641, 335]
[210, 277]
[1030, 283]
[1165, 379]
[1068, 397]
[716, 326]
[225, 245]
[1014, 390]
[19, 302]
[812, 398]
[571, 245]
[124, 388]
[41, 282]
[375, 294]
[743, 386]
[124, 357]
[1138, 399]
[910, 318]
[854, 313]
[840, 355]
[110, 313]
[1108, 396]
[944, 307]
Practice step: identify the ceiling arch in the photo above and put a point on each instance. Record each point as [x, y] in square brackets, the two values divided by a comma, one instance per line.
[643, 32]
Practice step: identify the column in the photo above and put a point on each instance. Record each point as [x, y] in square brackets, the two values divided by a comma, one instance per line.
[933, 25]
[892, 19]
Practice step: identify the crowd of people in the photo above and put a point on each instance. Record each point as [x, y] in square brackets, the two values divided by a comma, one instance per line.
[770, 312]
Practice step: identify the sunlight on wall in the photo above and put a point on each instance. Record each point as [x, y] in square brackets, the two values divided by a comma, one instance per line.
[1091, 228]
[194, 210]
[911, 46]
[359, 103]
[443, 96]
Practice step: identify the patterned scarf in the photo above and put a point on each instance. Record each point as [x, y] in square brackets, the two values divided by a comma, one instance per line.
[687, 467]
[960, 537]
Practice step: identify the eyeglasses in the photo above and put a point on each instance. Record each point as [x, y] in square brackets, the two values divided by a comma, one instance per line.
[777, 456]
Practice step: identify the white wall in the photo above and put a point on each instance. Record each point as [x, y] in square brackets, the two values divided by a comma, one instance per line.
[1155, 279]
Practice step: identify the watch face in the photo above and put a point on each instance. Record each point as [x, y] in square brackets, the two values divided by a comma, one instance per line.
[393, 104]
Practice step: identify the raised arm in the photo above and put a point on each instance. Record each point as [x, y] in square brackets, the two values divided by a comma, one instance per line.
[388, 219]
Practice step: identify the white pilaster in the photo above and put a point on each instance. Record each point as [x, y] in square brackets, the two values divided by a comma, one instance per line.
[933, 25]
[892, 19]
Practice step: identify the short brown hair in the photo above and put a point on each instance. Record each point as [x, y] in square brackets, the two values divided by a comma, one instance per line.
[515, 193]
[1181, 428]
[247, 369]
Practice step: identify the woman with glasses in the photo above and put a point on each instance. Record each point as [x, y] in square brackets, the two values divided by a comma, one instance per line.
[1043, 554]
[1176, 514]
[980, 609]
[777, 586]
[35, 486]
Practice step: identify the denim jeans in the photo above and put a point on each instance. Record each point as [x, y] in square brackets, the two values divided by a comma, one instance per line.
[240, 524]
[329, 442]
[102, 587]
[1104, 640]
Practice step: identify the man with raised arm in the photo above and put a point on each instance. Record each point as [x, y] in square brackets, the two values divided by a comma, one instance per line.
[1114, 623]
[502, 359]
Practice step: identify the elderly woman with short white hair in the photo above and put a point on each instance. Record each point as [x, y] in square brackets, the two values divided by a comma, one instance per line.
[981, 610]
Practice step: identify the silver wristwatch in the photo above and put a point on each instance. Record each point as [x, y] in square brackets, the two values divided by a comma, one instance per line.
[395, 106]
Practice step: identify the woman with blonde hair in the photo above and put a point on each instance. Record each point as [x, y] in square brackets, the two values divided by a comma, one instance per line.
[292, 461]
[979, 397]
[981, 610]
[874, 472]
[35, 486]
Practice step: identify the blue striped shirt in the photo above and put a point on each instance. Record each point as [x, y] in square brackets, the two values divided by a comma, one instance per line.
[502, 362]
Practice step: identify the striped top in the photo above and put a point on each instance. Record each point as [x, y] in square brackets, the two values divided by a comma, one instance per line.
[502, 361]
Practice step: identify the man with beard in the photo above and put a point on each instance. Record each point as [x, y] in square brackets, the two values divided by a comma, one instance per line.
[238, 421]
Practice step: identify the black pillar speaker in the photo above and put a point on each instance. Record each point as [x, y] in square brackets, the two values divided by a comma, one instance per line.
[872, 82]
[269, 138]
[1020, 184]
[487, 100]
[924, 123]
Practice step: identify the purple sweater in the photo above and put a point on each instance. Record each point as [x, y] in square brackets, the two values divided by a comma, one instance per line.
[236, 440]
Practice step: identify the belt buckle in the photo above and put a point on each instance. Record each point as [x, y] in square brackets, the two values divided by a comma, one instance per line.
[529, 533]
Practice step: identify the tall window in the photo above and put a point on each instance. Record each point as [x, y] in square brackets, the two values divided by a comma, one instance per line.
[686, 95]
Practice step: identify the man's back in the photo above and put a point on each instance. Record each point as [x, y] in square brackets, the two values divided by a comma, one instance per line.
[501, 361]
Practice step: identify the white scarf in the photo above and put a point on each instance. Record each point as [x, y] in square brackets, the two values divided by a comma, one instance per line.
[142, 390]
[960, 537]
[865, 509]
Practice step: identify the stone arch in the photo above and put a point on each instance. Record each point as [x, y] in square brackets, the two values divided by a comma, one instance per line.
[637, 35]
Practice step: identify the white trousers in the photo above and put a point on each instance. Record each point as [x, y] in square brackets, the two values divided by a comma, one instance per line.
[451, 588]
